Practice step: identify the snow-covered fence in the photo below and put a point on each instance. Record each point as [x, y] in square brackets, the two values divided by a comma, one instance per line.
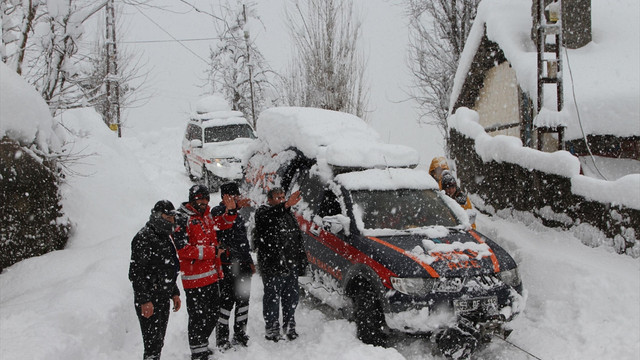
[506, 175]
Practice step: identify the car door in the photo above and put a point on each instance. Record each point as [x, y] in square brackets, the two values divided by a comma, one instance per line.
[327, 249]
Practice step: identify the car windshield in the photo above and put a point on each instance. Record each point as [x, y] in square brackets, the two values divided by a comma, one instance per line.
[402, 209]
[228, 133]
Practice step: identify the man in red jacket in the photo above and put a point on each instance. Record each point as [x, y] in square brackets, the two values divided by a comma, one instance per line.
[200, 265]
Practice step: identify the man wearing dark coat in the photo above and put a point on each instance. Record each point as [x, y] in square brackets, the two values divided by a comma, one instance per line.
[238, 268]
[153, 271]
[281, 259]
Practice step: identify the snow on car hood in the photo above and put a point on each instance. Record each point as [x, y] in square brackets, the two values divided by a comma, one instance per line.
[238, 148]
[461, 253]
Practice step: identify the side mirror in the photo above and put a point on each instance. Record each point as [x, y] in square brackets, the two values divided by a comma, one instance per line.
[335, 223]
[196, 143]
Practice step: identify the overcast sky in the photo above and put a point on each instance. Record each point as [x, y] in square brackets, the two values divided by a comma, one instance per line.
[177, 72]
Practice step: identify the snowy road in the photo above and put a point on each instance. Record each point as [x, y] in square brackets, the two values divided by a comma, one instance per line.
[77, 303]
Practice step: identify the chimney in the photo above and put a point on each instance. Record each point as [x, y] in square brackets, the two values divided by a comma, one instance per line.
[576, 21]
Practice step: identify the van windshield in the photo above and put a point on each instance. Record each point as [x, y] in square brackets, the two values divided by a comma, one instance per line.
[228, 133]
[402, 209]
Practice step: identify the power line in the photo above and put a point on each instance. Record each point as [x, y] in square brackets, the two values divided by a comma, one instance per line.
[167, 41]
[202, 11]
[171, 36]
[575, 102]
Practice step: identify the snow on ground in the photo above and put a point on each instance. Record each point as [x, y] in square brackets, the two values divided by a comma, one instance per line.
[77, 303]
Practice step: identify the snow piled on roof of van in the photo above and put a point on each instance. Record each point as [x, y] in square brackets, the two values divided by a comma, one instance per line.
[342, 139]
[387, 179]
[223, 121]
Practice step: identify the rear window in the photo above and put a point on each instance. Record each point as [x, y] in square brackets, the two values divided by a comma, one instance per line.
[402, 209]
[228, 133]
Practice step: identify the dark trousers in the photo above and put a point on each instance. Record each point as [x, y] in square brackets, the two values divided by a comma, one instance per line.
[280, 290]
[154, 328]
[235, 289]
[202, 306]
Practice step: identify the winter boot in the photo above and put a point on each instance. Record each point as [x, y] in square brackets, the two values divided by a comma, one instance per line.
[240, 338]
[292, 334]
[224, 346]
[273, 335]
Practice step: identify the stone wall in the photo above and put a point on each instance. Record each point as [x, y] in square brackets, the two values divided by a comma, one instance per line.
[504, 185]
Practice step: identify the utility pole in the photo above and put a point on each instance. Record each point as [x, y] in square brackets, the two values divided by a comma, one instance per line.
[112, 77]
[246, 40]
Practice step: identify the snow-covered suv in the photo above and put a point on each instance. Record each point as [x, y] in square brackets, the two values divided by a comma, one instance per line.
[214, 144]
[385, 245]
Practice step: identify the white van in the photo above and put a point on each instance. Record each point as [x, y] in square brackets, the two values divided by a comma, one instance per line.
[214, 145]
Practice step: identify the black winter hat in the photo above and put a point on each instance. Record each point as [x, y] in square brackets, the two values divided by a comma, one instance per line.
[164, 207]
[448, 180]
[197, 192]
[229, 189]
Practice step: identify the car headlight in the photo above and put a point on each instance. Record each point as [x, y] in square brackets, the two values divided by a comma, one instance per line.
[413, 286]
[220, 162]
[510, 277]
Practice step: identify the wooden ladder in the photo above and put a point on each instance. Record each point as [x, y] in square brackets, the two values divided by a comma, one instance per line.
[549, 72]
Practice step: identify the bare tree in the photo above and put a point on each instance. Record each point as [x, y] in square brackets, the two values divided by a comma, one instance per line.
[43, 44]
[18, 21]
[438, 31]
[327, 70]
[42, 41]
[237, 68]
[131, 79]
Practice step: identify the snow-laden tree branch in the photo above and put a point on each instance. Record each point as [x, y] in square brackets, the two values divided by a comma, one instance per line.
[438, 31]
[327, 70]
[237, 68]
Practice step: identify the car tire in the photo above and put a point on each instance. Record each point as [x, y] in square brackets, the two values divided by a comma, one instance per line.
[369, 317]
[209, 180]
[188, 168]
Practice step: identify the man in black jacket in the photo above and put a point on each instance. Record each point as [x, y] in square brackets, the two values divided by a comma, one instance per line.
[237, 267]
[153, 271]
[281, 259]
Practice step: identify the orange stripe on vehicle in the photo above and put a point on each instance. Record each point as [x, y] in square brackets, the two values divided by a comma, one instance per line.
[494, 259]
[426, 266]
[347, 251]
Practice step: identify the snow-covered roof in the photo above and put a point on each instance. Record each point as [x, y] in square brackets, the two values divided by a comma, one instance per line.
[223, 121]
[342, 139]
[217, 115]
[387, 179]
[605, 74]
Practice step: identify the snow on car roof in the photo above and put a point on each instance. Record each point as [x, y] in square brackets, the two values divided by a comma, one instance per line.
[370, 154]
[387, 179]
[220, 118]
[342, 139]
[217, 115]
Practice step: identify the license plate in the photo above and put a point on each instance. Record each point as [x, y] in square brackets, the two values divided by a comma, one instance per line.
[486, 304]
